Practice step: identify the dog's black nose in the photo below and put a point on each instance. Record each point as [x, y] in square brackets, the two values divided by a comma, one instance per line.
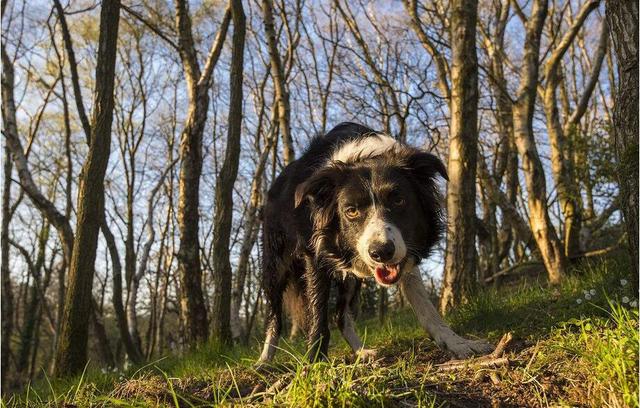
[382, 251]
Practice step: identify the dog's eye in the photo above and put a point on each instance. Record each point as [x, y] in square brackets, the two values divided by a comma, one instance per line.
[352, 212]
[398, 201]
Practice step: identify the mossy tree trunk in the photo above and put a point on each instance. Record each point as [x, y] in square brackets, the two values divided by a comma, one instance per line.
[622, 17]
[71, 353]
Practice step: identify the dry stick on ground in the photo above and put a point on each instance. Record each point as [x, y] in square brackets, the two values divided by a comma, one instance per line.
[587, 254]
[495, 359]
[510, 269]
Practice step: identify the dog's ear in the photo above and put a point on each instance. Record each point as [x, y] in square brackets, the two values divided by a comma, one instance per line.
[424, 166]
[320, 187]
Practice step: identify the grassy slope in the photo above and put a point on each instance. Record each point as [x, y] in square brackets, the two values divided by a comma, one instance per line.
[563, 353]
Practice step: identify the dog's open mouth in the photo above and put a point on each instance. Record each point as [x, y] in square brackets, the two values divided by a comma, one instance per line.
[387, 274]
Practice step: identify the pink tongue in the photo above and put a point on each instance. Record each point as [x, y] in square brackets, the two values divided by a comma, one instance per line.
[387, 274]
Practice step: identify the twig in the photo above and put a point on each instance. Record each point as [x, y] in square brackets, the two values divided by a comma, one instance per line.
[587, 254]
[502, 345]
[601, 251]
[279, 385]
[486, 363]
[493, 360]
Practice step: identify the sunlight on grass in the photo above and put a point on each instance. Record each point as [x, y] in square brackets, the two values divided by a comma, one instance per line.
[578, 346]
[608, 350]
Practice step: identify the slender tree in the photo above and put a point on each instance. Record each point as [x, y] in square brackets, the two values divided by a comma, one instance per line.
[71, 353]
[561, 161]
[460, 262]
[225, 182]
[279, 82]
[543, 230]
[7, 290]
[193, 309]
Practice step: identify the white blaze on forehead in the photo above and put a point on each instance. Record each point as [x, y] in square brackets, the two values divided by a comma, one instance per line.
[365, 147]
[379, 230]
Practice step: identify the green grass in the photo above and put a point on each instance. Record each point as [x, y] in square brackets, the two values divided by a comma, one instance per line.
[568, 350]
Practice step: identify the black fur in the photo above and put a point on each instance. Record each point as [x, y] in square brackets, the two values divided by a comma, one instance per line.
[307, 241]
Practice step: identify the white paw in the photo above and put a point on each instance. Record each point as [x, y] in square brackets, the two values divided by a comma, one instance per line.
[463, 348]
[367, 355]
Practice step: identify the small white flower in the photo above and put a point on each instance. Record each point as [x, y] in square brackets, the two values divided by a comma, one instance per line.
[578, 301]
[592, 292]
[625, 299]
[623, 282]
[634, 303]
[587, 296]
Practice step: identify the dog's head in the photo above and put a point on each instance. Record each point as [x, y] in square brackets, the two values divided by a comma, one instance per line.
[382, 212]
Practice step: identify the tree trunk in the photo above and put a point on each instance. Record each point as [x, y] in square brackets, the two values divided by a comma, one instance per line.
[7, 290]
[507, 162]
[249, 240]
[137, 275]
[32, 310]
[130, 265]
[279, 83]
[168, 261]
[102, 341]
[541, 226]
[460, 263]
[382, 304]
[622, 17]
[194, 312]
[71, 353]
[252, 228]
[133, 352]
[193, 309]
[561, 160]
[224, 184]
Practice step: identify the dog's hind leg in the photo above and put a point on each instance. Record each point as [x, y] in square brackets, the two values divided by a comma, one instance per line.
[318, 282]
[413, 288]
[274, 283]
[347, 294]
[273, 328]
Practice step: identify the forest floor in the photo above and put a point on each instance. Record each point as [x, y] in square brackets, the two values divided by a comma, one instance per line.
[573, 345]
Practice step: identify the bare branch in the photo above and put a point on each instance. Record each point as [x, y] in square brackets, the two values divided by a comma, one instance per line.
[216, 49]
[150, 25]
[73, 67]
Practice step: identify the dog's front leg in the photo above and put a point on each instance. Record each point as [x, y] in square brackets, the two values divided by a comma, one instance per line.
[347, 292]
[318, 286]
[413, 289]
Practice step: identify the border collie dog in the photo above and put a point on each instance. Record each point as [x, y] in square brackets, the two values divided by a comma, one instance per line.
[357, 204]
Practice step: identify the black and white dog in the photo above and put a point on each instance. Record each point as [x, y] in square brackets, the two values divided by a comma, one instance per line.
[357, 204]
